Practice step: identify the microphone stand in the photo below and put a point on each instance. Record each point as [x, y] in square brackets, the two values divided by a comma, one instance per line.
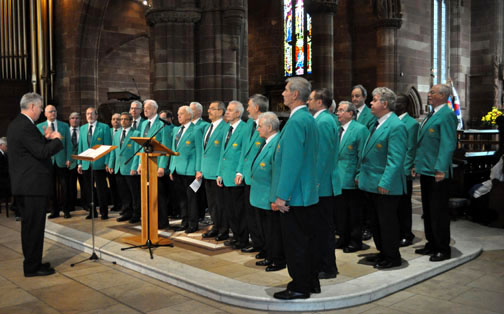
[147, 146]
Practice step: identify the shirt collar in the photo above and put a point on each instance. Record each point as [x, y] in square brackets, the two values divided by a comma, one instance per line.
[28, 117]
[436, 109]
[151, 120]
[345, 126]
[270, 138]
[216, 123]
[402, 116]
[318, 113]
[234, 125]
[196, 121]
[384, 118]
[296, 109]
[187, 125]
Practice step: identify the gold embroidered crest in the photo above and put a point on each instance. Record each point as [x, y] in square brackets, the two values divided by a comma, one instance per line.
[235, 144]
[188, 142]
[129, 145]
[431, 130]
[99, 139]
[216, 142]
[350, 147]
[262, 164]
[379, 145]
[258, 143]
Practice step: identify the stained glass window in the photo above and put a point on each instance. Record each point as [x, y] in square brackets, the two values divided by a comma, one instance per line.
[439, 42]
[297, 39]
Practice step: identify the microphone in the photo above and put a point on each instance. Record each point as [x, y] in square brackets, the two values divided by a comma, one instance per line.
[165, 121]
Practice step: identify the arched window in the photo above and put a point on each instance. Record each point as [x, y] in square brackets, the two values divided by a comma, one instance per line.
[297, 39]
[439, 42]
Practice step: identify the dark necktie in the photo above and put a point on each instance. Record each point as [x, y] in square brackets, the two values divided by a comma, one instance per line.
[228, 136]
[427, 118]
[134, 124]
[52, 126]
[341, 130]
[372, 131]
[147, 128]
[74, 137]
[90, 135]
[207, 137]
[254, 125]
[258, 152]
[123, 137]
[179, 135]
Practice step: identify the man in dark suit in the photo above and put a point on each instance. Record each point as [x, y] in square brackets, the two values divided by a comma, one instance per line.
[5, 192]
[114, 196]
[437, 140]
[30, 172]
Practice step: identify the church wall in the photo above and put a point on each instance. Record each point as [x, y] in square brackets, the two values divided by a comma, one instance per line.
[343, 49]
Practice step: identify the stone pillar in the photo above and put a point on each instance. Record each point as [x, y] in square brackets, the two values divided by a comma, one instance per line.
[389, 21]
[172, 49]
[322, 12]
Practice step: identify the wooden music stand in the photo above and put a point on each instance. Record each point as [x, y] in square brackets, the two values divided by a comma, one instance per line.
[149, 195]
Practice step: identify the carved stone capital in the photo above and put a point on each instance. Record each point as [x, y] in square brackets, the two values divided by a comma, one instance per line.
[321, 6]
[182, 15]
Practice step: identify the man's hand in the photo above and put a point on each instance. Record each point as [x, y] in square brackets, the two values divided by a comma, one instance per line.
[133, 172]
[139, 170]
[67, 163]
[160, 172]
[238, 179]
[79, 169]
[413, 172]
[199, 175]
[54, 135]
[280, 205]
[171, 177]
[439, 176]
[382, 191]
[219, 181]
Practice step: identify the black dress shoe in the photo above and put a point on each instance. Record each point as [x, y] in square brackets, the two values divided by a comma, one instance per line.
[161, 226]
[366, 235]
[324, 275]
[438, 257]
[405, 242]
[264, 262]
[316, 290]
[53, 215]
[425, 251]
[135, 219]
[275, 267]
[260, 255]
[210, 234]
[250, 249]
[115, 209]
[180, 228]
[191, 230]
[339, 244]
[290, 295]
[124, 218]
[67, 215]
[376, 258]
[351, 249]
[222, 237]
[239, 246]
[230, 242]
[104, 217]
[89, 215]
[45, 265]
[41, 272]
[387, 264]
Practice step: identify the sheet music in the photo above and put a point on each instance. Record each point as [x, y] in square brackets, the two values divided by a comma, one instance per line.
[195, 185]
[93, 153]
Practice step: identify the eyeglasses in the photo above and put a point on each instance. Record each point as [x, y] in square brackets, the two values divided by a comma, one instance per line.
[341, 110]
[136, 108]
[52, 111]
[125, 119]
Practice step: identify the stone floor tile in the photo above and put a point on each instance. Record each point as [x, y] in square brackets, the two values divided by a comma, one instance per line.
[30, 307]
[438, 289]
[101, 280]
[423, 304]
[14, 296]
[32, 283]
[351, 310]
[394, 298]
[383, 310]
[482, 299]
[489, 282]
[189, 307]
[7, 253]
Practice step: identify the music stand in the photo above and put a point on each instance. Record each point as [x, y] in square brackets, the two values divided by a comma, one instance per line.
[93, 154]
[149, 197]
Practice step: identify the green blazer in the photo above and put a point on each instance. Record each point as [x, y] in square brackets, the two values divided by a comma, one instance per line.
[65, 154]
[160, 137]
[101, 136]
[367, 118]
[382, 160]
[139, 125]
[349, 151]
[249, 152]
[412, 127]
[210, 155]
[189, 147]
[437, 140]
[230, 155]
[201, 125]
[327, 149]
[121, 154]
[260, 176]
[294, 176]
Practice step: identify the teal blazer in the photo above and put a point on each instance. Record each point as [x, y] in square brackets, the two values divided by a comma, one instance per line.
[382, 160]
[327, 149]
[189, 148]
[160, 137]
[249, 152]
[65, 154]
[139, 125]
[230, 155]
[412, 127]
[121, 154]
[349, 152]
[367, 118]
[437, 141]
[210, 155]
[260, 176]
[201, 125]
[101, 136]
[294, 177]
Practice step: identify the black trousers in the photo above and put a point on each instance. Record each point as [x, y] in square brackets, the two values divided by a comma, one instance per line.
[114, 196]
[299, 233]
[59, 199]
[202, 200]
[187, 200]
[164, 199]
[33, 219]
[385, 224]
[325, 244]
[100, 179]
[235, 212]
[73, 176]
[436, 213]
[348, 210]
[129, 189]
[406, 212]
[273, 244]
[254, 226]
[215, 206]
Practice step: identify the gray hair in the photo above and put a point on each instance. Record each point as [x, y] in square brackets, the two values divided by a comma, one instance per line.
[74, 114]
[28, 99]
[445, 90]
[152, 102]
[125, 113]
[350, 107]
[363, 90]
[270, 119]
[260, 101]
[137, 102]
[386, 94]
[188, 110]
[239, 106]
[3, 140]
[325, 95]
[198, 106]
[220, 105]
[301, 85]
[116, 114]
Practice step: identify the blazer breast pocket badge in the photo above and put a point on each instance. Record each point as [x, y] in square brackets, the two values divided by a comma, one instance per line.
[257, 143]
[379, 146]
[235, 145]
[188, 142]
[350, 147]
[216, 142]
[99, 139]
[262, 165]
[431, 130]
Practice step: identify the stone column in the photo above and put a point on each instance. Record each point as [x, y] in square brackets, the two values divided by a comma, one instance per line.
[322, 12]
[172, 48]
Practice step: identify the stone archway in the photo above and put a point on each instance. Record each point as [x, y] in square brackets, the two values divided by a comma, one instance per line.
[415, 106]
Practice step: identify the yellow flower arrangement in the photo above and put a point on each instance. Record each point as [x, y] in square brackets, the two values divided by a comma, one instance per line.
[488, 120]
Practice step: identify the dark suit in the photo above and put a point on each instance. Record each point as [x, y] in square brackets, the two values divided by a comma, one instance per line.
[30, 172]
